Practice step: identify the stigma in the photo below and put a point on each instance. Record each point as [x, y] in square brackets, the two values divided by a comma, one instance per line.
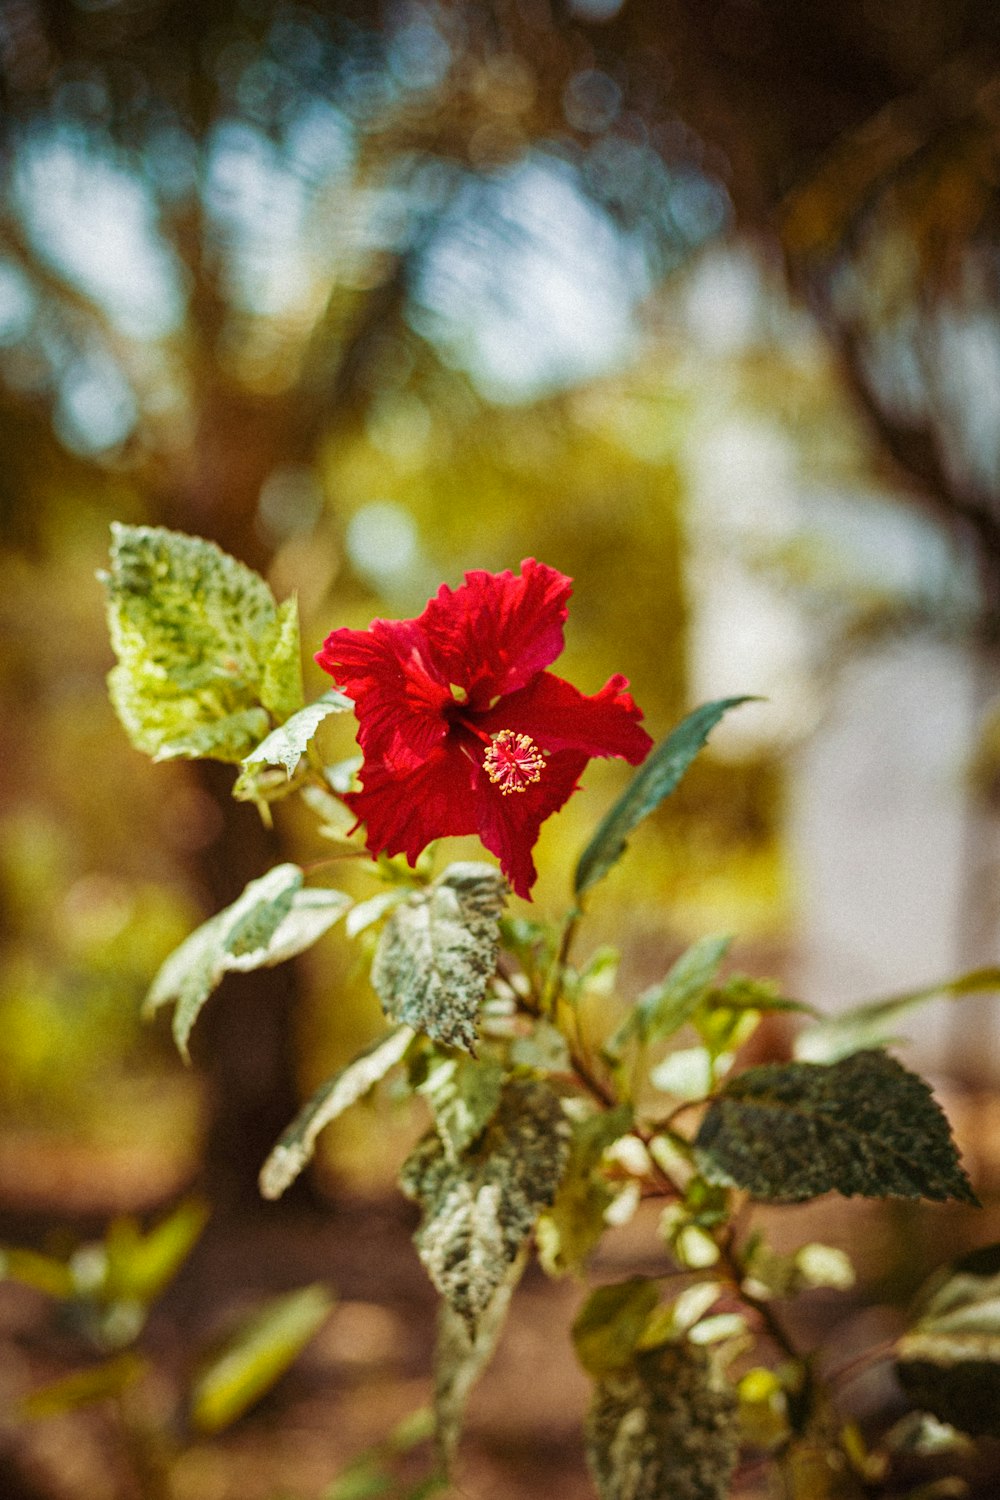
[513, 761]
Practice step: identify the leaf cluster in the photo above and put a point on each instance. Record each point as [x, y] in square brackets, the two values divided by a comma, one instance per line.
[540, 1135]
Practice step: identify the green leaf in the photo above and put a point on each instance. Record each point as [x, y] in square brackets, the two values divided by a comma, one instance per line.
[438, 952]
[364, 1480]
[876, 1024]
[664, 1426]
[43, 1273]
[255, 1355]
[479, 1210]
[654, 781]
[205, 656]
[271, 921]
[285, 745]
[610, 1324]
[665, 1007]
[281, 684]
[297, 1144]
[461, 1357]
[570, 1229]
[100, 1383]
[790, 1131]
[140, 1266]
[464, 1096]
[949, 1361]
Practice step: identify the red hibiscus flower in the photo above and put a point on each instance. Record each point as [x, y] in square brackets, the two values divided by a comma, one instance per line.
[463, 731]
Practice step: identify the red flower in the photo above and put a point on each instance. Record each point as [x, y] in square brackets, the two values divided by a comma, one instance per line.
[462, 729]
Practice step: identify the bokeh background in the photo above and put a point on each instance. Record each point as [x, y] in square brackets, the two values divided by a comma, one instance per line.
[695, 300]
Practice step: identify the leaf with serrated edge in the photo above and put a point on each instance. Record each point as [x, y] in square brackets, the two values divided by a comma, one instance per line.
[272, 920]
[296, 1145]
[438, 952]
[285, 745]
[460, 1359]
[204, 652]
[666, 1425]
[281, 684]
[665, 1007]
[479, 1210]
[876, 1024]
[790, 1131]
[464, 1095]
[254, 1356]
[655, 780]
[949, 1361]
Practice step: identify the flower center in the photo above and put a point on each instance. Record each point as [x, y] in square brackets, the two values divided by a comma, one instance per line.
[512, 761]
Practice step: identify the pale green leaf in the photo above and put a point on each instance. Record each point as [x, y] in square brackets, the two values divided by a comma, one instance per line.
[367, 913]
[877, 1023]
[313, 912]
[790, 1131]
[949, 1361]
[203, 650]
[255, 1355]
[478, 1211]
[281, 683]
[286, 745]
[271, 921]
[686, 1073]
[664, 1426]
[607, 1329]
[570, 1229]
[460, 1358]
[544, 1048]
[654, 781]
[464, 1095]
[438, 952]
[297, 1144]
[140, 1265]
[665, 1007]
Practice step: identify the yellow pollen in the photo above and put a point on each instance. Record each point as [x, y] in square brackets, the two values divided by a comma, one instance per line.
[513, 761]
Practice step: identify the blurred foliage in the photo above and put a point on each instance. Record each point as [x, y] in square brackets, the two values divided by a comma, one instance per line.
[371, 294]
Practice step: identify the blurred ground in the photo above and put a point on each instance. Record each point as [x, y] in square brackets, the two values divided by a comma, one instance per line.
[369, 1365]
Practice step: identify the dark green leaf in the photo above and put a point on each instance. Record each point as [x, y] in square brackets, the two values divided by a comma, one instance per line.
[665, 1007]
[790, 1131]
[479, 1210]
[296, 1145]
[255, 1355]
[609, 1326]
[949, 1361]
[877, 1024]
[654, 781]
[206, 658]
[664, 1428]
[438, 952]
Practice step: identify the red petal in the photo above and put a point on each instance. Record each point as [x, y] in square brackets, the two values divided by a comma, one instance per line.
[399, 697]
[403, 814]
[558, 716]
[492, 635]
[509, 826]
